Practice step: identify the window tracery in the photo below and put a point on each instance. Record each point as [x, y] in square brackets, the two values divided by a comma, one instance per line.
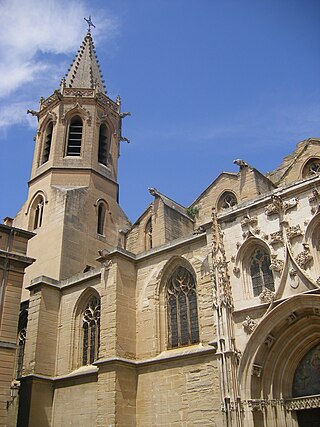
[182, 311]
[227, 200]
[261, 275]
[22, 334]
[37, 212]
[311, 168]
[91, 331]
[74, 137]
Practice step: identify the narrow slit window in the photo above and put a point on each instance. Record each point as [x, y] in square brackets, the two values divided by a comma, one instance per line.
[47, 143]
[75, 137]
[103, 145]
[148, 235]
[101, 218]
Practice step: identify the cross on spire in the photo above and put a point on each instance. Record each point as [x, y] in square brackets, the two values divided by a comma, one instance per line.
[90, 24]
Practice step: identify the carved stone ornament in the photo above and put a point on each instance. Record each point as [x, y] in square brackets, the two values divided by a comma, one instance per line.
[249, 221]
[107, 264]
[77, 108]
[256, 370]
[249, 325]
[279, 206]
[276, 237]
[269, 341]
[236, 270]
[301, 403]
[294, 231]
[314, 200]
[292, 318]
[266, 296]
[276, 264]
[304, 257]
[318, 281]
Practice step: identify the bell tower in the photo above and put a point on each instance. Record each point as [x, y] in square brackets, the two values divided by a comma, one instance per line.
[72, 203]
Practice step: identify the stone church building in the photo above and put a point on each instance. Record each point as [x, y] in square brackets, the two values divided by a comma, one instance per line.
[207, 315]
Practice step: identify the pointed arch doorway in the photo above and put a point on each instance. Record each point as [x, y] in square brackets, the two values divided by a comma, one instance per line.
[306, 387]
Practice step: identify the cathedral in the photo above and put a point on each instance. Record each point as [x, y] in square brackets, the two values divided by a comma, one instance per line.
[206, 315]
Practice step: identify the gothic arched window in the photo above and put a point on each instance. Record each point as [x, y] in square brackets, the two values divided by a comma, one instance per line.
[182, 309]
[103, 145]
[37, 212]
[74, 137]
[261, 275]
[227, 200]
[91, 331]
[101, 218]
[22, 332]
[47, 143]
[148, 235]
[311, 168]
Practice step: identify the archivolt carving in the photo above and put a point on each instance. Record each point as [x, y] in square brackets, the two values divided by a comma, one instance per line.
[249, 225]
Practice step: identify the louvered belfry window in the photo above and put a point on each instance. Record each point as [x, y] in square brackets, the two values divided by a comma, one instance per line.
[261, 275]
[47, 143]
[75, 137]
[182, 311]
[91, 331]
[103, 145]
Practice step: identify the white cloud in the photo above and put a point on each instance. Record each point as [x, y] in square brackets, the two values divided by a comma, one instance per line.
[31, 32]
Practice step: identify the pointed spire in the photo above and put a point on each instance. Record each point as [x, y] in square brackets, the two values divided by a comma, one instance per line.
[85, 72]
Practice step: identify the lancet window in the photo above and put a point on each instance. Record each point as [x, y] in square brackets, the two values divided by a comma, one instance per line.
[103, 145]
[91, 331]
[47, 143]
[38, 207]
[22, 333]
[75, 137]
[182, 310]
[148, 235]
[261, 275]
[101, 218]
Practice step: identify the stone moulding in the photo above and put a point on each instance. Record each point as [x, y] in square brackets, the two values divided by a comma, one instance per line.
[266, 296]
[299, 403]
[276, 237]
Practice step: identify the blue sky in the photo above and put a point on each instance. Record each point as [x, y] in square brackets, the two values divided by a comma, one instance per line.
[206, 81]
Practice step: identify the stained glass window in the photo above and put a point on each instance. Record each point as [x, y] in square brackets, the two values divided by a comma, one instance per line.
[260, 272]
[182, 311]
[91, 331]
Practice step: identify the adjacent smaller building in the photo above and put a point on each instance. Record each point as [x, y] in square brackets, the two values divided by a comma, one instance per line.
[13, 261]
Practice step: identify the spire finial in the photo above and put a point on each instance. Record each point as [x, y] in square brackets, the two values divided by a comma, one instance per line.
[90, 24]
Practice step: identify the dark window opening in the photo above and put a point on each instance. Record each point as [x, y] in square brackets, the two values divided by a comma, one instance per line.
[38, 214]
[101, 218]
[47, 143]
[103, 145]
[75, 137]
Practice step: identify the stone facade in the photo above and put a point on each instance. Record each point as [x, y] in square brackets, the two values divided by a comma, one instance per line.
[13, 261]
[190, 316]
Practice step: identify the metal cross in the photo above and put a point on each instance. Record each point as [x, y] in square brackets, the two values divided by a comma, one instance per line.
[89, 23]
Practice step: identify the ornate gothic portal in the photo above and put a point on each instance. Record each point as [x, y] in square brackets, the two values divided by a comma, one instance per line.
[307, 383]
